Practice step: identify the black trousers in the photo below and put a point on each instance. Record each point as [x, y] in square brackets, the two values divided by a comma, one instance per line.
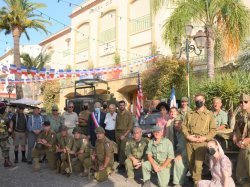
[110, 134]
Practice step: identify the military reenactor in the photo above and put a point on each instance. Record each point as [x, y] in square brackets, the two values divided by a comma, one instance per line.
[4, 135]
[80, 150]
[160, 153]
[241, 138]
[62, 140]
[180, 160]
[83, 119]
[198, 128]
[184, 109]
[103, 155]
[220, 115]
[123, 127]
[44, 146]
[135, 152]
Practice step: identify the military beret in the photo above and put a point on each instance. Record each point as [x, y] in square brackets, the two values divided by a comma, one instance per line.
[63, 128]
[54, 107]
[184, 99]
[244, 97]
[99, 130]
[77, 129]
[178, 118]
[46, 123]
[156, 128]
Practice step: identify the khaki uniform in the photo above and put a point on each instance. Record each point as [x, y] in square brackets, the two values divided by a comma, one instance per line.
[137, 150]
[84, 125]
[104, 148]
[242, 130]
[199, 124]
[183, 113]
[160, 153]
[4, 141]
[40, 150]
[123, 123]
[79, 162]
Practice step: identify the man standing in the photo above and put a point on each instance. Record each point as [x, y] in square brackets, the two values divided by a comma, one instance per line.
[180, 161]
[44, 146]
[198, 128]
[123, 127]
[173, 112]
[70, 118]
[135, 152]
[184, 107]
[160, 153]
[18, 124]
[110, 123]
[220, 116]
[34, 127]
[83, 119]
[241, 138]
[4, 136]
[103, 155]
[55, 119]
[95, 120]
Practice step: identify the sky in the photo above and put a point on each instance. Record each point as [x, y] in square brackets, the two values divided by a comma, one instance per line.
[59, 11]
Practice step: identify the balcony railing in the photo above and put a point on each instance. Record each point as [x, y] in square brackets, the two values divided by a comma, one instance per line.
[82, 45]
[140, 24]
[107, 35]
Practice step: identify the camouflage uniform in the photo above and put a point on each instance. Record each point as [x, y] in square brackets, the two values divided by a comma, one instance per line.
[242, 131]
[84, 125]
[40, 150]
[137, 150]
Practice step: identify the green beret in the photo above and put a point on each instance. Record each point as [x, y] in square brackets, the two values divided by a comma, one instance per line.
[184, 99]
[76, 129]
[178, 118]
[99, 130]
[156, 128]
[54, 107]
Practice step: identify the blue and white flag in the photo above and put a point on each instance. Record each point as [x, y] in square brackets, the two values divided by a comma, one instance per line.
[173, 99]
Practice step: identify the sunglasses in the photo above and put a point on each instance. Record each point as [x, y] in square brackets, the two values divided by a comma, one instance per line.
[70, 107]
[54, 110]
[241, 102]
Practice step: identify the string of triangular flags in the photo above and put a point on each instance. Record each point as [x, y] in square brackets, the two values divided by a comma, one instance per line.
[51, 74]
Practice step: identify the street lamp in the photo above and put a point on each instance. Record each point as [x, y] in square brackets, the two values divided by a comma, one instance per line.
[10, 89]
[200, 39]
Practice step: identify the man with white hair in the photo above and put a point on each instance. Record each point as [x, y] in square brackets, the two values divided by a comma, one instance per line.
[96, 119]
[110, 122]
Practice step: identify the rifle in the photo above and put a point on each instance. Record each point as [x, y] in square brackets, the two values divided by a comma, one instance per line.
[68, 169]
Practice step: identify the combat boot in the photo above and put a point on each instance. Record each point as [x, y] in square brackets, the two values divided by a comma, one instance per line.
[24, 159]
[16, 157]
[36, 165]
[8, 163]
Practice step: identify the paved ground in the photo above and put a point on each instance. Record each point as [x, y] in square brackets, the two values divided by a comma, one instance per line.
[23, 176]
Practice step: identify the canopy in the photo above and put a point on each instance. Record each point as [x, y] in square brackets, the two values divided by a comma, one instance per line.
[26, 101]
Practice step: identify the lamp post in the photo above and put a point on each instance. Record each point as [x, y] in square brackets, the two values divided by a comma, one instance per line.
[200, 39]
[10, 89]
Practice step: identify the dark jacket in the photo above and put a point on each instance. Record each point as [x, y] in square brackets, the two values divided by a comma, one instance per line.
[92, 127]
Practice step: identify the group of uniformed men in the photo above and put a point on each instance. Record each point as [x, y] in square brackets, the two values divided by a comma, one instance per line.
[192, 129]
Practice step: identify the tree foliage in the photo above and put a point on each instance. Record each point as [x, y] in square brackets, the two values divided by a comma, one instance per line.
[158, 79]
[228, 86]
[50, 91]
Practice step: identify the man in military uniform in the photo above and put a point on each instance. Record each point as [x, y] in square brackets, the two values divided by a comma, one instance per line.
[103, 155]
[44, 146]
[136, 152]
[180, 161]
[123, 127]
[79, 151]
[241, 138]
[198, 128]
[184, 109]
[160, 153]
[4, 135]
[83, 119]
[61, 141]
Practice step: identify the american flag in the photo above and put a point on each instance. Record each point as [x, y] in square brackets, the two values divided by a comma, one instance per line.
[139, 100]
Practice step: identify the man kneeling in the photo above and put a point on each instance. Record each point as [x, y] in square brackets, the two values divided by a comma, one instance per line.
[103, 155]
[44, 146]
[160, 154]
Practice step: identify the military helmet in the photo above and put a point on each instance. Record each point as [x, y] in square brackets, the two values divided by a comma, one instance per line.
[77, 129]
[99, 130]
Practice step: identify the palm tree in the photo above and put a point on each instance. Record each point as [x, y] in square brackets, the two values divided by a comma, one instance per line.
[37, 62]
[226, 18]
[15, 18]
[244, 57]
